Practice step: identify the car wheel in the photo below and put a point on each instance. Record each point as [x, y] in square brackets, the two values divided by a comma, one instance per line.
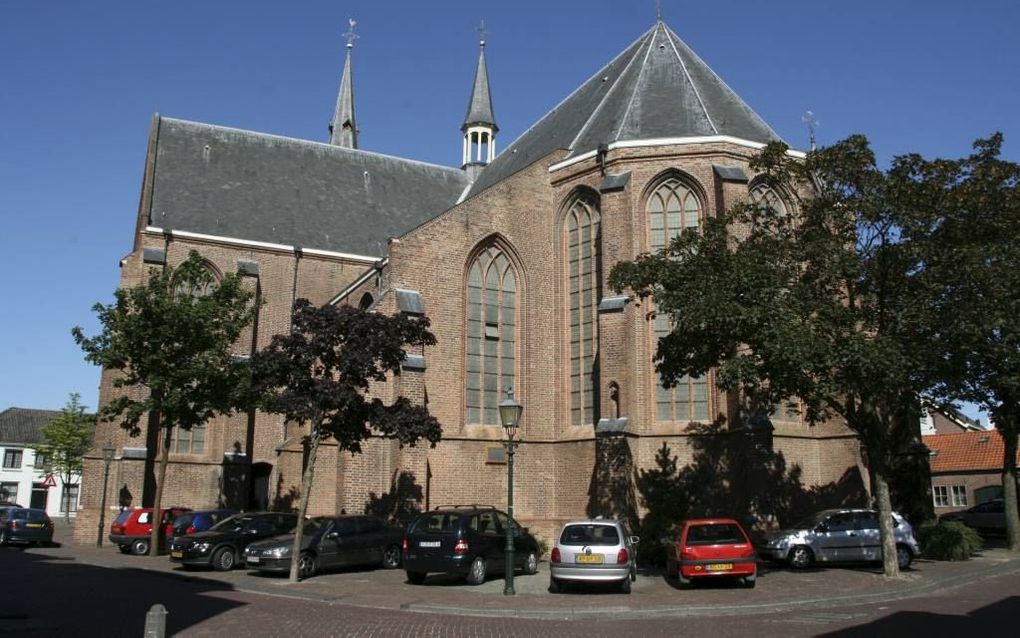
[124, 549]
[140, 547]
[531, 563]
[554, 586]
[749, 581]
[416, 578]
[671, 569]
[682, 580]
[307, 565]
[476, 573]
[904, 556]
[391, 557]
[223, 559]
[800, 557]
[633, 574]
[3, 537]
[625, 585]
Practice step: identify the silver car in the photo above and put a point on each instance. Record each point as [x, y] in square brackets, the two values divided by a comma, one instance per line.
[839, 535]
[593, 550]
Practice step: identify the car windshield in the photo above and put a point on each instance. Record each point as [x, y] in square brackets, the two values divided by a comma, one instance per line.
[590, 535]
[715, 534]
[233, 524]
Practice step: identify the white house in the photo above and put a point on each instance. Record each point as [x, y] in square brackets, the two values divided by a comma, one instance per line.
[26, 477]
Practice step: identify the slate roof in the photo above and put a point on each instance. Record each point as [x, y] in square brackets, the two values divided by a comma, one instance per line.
[24, 425]
[966, 451]
[480, 106]
[343, 128]
[656, 88]
[232, 183]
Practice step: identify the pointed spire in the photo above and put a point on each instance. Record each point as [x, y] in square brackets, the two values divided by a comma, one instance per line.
[343, 129]
[480, 107]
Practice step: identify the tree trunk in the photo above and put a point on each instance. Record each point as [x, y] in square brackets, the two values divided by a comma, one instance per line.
[1009, 439]
[890, 567]
[65, 494]
[306, 490]
[164, 460]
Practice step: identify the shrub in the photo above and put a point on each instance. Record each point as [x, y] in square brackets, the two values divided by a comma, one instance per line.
[948, 540]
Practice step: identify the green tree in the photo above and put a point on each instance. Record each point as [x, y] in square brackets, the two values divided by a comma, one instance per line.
[818, 305]
[320, 374]
[66, 439]
[169, 341]
[972, 275]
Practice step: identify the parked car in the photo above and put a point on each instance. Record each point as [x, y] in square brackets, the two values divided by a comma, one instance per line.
[466, 540]
[711, 548]
[10, 504]
[132, 529]
[222, 546]
[839, 535]
[593, 550]
[330, 541]
[987, 518]
[23, 525]
[199, 521]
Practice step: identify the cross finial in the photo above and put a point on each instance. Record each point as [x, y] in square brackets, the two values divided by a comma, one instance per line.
[482, 32]
[809, 120]
[350, 35]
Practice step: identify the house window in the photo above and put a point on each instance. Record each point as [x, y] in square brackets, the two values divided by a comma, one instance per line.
[201, 286]
[188, 441]
[491, 334]
[941, 495]
[42, 462]
[9, 492]
[69, 499]
[958, 495]
[12, 459]
[765, 197]
[582, 238]
[672, 208]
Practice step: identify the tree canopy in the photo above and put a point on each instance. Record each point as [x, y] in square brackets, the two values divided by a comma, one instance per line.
[65, 441]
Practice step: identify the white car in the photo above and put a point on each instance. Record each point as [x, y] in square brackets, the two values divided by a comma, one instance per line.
[593, 550]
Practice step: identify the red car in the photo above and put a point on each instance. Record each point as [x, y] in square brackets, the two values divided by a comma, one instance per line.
[711, 548]
[132, 529]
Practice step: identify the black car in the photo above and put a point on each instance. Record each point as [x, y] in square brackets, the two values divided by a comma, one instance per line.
[988, 518]
[467, 540]
[192, 522]
[24, 525]
[222, 546]
[330, 541]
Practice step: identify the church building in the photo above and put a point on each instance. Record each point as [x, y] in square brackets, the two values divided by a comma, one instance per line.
[508, 256]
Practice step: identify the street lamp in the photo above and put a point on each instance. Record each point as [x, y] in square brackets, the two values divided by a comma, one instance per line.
[510, 416]
[107, 458]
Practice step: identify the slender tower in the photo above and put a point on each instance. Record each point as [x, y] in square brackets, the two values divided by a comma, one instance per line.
[343, 129]
[479, 126]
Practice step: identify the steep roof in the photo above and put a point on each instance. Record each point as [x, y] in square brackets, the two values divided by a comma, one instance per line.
[233, 183]
[24, 425]
[656, 88]
[480, 105]
[966, 451]
[343, 128]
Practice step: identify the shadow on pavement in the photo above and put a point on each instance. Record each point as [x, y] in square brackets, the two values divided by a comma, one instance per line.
[997, 616]
[56, 597]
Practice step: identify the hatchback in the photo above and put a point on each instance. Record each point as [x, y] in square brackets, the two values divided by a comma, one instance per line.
[987, 518]
[23, 525]
[593, 550]
[711, 548]
[839, 535]
[132, 529]
[466, 540]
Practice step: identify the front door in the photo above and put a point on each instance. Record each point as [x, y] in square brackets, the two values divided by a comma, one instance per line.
[837, 535]
[39, 495]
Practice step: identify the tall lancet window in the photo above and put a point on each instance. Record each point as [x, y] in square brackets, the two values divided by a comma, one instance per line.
[765, 197]
[673, 208]
[583, 241]
[491, 334]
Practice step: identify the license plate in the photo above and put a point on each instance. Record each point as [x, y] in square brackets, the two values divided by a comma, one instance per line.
[429, 544]
[35, 525]
[719, 567]
[588, 559]
[253, 559]
[176, 554]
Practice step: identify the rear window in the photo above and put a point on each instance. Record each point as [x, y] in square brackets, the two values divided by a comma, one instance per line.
[437, 523]
[19, 515]
[722, 534]
[122, 517]
[184, 520]
[590, 535]
[37, 516]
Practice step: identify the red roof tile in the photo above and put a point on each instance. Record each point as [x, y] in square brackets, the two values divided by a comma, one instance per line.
[966, 451]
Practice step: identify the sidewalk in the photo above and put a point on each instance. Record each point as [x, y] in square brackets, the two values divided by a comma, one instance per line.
[778, 589]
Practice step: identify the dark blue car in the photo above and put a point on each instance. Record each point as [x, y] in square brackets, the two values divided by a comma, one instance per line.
[191, 522]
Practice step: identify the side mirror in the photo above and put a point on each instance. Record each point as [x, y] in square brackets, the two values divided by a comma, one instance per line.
[333, 535]
[634, 540]
[251, 531]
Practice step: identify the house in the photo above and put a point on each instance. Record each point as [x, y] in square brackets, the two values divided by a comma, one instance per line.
[508, 255]
[966, 468]
[26, 478]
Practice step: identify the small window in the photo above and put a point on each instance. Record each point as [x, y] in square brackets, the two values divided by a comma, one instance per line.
[12, 459]
[723, 534]
[145, 518]
[485, 523]
[69, 499]
[868, 520]
[43, 462]
[941, 495]
[188, 441]
[438, 523]
[959, 495]
[842, 522]
[9, 492]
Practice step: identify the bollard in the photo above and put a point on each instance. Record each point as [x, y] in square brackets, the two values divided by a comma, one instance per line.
[155, 621]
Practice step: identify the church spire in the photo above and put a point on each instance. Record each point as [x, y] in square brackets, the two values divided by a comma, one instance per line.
[343, 129]
[479, 126]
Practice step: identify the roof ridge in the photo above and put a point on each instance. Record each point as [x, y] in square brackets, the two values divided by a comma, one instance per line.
[630, 102]
[694, 85]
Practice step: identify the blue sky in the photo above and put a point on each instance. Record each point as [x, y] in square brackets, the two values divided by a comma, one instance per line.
[79, 82]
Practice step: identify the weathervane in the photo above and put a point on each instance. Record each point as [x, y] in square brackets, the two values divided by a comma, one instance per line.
[482, 32]
[350, 34]
[809, 120]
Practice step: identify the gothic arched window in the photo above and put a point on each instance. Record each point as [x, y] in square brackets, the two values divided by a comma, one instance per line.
[672, 208]
[583, 241]
[491, 334]
[765, 197]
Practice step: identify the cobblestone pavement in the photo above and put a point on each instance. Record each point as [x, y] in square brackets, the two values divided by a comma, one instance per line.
[85, 591]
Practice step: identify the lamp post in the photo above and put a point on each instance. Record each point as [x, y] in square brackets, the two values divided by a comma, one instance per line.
[509, 416]
[107, 458]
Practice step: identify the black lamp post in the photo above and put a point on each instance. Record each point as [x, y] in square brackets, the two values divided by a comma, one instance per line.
[107, 458]
[510, 416]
